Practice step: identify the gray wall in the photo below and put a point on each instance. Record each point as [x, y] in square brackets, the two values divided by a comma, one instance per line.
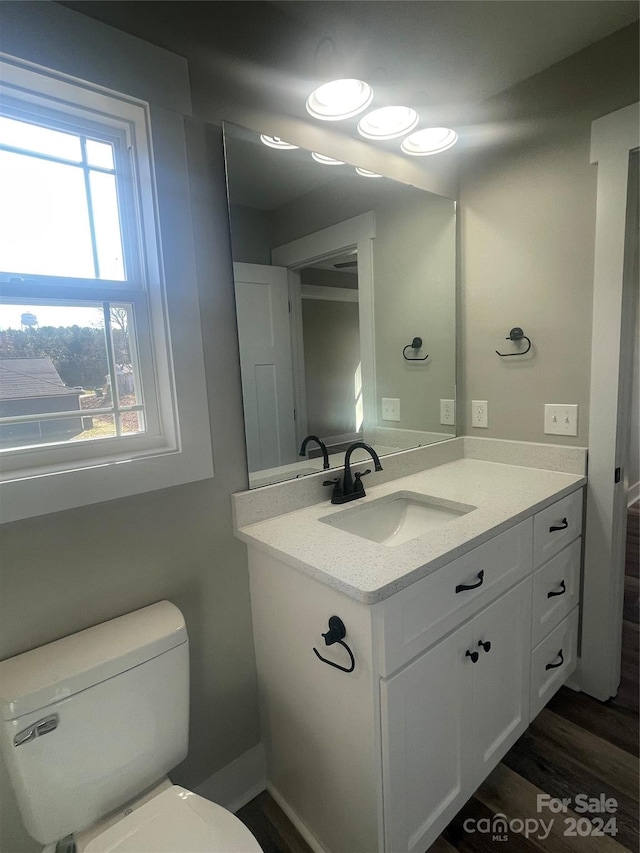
[527, 242]
[331, 358]
[415, 295]
[66, 571]
[249, 234]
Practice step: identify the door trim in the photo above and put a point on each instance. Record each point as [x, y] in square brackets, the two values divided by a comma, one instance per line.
[356, 233]
[612, 138]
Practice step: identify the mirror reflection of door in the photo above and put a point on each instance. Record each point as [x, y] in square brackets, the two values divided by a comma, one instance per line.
[332, 396]
[262, 307]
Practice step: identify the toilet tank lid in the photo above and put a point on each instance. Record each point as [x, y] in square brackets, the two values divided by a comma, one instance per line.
[48, 674]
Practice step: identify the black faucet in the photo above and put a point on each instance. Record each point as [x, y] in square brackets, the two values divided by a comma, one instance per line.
[348, 490]
[320, 444]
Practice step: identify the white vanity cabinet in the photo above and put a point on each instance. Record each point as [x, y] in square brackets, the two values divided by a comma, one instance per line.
[449, 672]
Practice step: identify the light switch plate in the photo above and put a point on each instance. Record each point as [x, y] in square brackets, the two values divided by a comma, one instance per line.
[479, 413]
[448, 412]
[390, 409]
[561, 418]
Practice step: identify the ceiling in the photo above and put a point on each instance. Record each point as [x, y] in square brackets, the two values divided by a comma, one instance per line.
[433, 51]
[458, 50]
[445, 58]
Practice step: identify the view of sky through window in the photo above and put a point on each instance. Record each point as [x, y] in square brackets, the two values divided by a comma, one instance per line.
[60, 214]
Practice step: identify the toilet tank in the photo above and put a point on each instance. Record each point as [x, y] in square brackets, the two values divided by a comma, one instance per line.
[91, 720]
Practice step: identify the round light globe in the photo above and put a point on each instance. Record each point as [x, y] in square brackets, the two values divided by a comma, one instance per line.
[431, 140]
[339, 99]
[388, 123]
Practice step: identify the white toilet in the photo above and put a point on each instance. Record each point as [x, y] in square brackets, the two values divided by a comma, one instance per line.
[90, 726]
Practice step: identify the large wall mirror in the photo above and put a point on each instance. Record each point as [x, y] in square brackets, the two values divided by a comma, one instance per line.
[346, 305]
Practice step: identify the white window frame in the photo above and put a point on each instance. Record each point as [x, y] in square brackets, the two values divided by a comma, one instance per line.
[177, 449]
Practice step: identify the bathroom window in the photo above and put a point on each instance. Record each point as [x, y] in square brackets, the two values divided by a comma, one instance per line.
[87, 370]
[70, 371]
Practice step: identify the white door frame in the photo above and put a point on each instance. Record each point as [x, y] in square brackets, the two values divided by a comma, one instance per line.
[357, 233]
[612, 138]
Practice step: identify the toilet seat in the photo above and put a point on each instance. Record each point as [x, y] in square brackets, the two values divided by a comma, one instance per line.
[176, 821]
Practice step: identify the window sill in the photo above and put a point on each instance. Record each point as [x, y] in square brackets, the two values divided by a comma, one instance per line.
[28, 496]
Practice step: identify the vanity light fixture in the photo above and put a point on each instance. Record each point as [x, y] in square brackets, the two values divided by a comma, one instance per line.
[366, 173]
[431, 140]
[326, 161]
[276, 142]
[339, 99]
[388, 123]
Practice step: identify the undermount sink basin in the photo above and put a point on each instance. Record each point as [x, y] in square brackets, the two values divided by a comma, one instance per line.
[397, 518]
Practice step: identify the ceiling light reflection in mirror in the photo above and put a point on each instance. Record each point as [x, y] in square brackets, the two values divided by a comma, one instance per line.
[366, 173]
[402, 287]
[276, 142]
[326, 161]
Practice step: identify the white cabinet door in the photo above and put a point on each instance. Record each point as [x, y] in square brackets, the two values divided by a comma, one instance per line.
[501, 677]
[426, 743]
[450, 716]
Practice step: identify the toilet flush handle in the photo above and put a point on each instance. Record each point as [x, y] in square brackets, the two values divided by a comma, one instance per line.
[42, 727]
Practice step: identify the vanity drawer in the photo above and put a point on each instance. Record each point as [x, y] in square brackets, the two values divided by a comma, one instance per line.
[417, 616]
[556, 589]
[553, 661]
[556, 526]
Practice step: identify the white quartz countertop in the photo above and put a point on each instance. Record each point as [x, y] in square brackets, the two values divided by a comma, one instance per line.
[370, 572]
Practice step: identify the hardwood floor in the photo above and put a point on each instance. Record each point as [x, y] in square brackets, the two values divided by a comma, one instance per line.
[629, 686]
[272, 828]
[576, 745]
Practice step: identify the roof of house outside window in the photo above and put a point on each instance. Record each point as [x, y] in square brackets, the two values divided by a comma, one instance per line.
[22, 378]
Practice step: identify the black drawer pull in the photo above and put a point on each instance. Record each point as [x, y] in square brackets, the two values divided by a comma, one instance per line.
[473, 655]
[562, 526]
[563, 589]
[486, 645]
[556, 665]
[464, 587]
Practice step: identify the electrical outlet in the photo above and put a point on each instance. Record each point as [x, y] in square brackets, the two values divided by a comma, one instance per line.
[561, 418]
[447, 412]
[479, 413]
[390, 409]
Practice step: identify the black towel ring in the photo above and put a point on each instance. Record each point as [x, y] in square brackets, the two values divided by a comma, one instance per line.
[415, 345]
[516, 334]
[336, 634]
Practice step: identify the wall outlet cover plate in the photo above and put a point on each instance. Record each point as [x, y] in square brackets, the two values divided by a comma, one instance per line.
[480, 413]
[447, 412]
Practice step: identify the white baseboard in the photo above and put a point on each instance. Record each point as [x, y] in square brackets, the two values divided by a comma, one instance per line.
[311, 840]
[633, 494]
[239, 782]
